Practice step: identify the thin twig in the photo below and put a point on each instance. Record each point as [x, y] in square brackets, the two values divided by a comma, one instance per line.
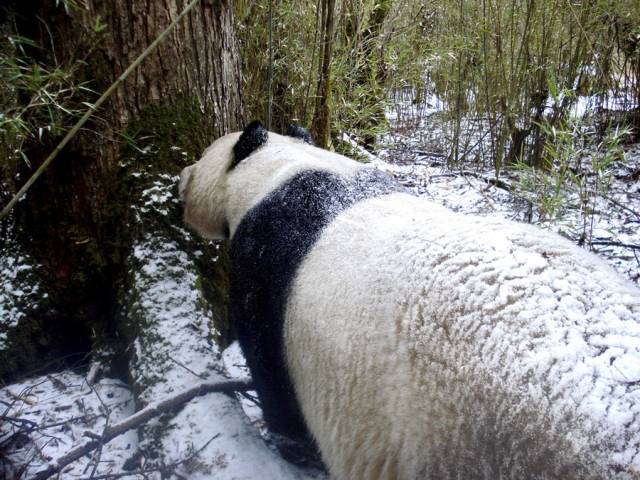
[84, 418]
[201, 377]
[22, 421]
[620, 205]
[313, 55]
[487, 199]
[496, 182]
[430, 154]
[159, 468]
[251, 398]
[107, 412]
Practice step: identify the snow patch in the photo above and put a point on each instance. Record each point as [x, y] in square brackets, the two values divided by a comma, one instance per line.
[20, 289]
[48, 416]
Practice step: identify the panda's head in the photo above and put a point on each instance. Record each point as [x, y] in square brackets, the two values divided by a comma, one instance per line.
[240, 168]
[203, 188]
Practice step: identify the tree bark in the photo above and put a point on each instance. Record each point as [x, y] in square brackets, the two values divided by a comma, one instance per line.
[200, 58]
[373, 71]
[321, 126]
[73, 221]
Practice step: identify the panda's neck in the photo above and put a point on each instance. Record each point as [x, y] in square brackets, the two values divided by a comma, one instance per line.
[262, 173]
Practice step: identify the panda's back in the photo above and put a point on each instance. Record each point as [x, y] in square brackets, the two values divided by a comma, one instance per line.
[463, 328]
[267, 249]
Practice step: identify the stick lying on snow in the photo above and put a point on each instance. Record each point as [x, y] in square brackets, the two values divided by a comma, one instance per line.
[139, 418]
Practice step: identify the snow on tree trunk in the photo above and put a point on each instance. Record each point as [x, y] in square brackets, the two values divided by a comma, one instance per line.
[71, 224]
[174, 347]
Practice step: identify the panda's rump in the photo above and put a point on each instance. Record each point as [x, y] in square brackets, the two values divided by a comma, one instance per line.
[346, 351]
[423, 339]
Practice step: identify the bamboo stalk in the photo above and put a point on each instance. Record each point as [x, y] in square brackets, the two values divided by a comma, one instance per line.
[92, 109]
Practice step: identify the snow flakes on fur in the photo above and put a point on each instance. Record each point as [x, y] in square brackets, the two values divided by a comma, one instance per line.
[422, 343]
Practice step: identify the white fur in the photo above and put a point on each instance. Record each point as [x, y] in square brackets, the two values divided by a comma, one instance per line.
[428, 344]
[419, 339]
[213, 196]
[203, 188]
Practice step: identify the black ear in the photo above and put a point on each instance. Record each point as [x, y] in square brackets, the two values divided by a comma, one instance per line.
[252, 138]
[297, 131]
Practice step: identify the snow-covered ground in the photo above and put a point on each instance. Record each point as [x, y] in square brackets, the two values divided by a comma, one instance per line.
[174, 353]
[45, 417]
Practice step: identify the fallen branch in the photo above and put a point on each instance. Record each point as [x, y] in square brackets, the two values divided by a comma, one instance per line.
[610, 243]
[424, 153]
[201, 377]
[21, 421]
[621, 206]
[140, 418]
[101, 443]
[496, 182]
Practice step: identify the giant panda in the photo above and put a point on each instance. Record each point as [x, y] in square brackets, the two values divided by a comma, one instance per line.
[412, 342]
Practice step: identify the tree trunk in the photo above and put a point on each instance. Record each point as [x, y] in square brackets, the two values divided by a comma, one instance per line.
[321, 125]
[198, 59]
[75, 222]
[373, 71]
